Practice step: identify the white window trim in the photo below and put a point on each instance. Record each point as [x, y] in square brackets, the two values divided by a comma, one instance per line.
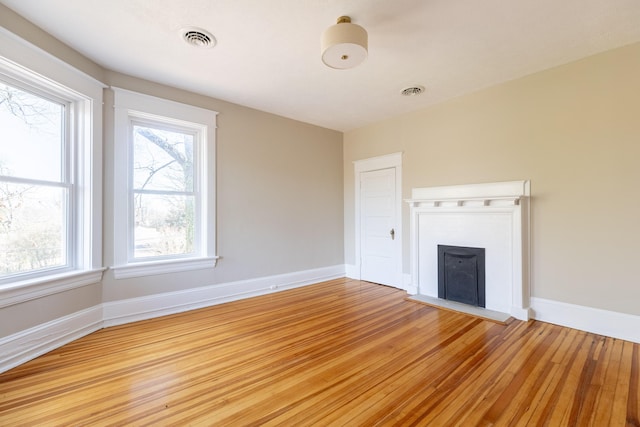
[26, 290]
[139, 269]
[23, 61]
[130, 105]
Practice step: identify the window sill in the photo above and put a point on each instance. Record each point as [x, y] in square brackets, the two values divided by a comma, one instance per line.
[25, 290]
[140, 269]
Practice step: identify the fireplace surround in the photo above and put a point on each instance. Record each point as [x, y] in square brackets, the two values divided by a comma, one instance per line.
[493, 216]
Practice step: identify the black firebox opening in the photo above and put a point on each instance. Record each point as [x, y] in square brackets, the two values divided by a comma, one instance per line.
[461, 276]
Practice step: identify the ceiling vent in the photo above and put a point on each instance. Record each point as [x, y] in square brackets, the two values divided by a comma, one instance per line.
[198, 37]
[412, 91]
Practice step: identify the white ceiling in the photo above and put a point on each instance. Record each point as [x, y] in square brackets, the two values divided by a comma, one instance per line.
[268, 51]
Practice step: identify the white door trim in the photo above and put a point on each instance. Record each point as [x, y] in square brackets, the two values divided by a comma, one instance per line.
[388, 161]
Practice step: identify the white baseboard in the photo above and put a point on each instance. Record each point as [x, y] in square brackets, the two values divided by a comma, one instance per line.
[134, 309]
[602, 322]
[25, 345]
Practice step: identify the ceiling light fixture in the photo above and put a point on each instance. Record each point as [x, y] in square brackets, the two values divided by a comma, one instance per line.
[344, 45]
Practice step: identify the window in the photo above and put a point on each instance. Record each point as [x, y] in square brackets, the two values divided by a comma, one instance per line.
[164, 190]
[35, 185]
[50, 187]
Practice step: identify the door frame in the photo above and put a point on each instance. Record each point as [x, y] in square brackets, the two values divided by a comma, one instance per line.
[387, 161]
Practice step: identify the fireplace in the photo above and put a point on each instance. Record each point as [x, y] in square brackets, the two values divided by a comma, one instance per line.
[461, 276]
[492, 216]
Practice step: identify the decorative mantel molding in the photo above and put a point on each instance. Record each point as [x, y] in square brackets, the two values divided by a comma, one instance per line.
[474, 191]
[495, 193]
[491, 215]
[457, 202]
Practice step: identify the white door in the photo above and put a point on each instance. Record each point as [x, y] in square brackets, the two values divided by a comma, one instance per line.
[378, 240]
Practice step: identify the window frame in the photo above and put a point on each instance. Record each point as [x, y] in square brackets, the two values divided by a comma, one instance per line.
[27, 67]
[132, 107]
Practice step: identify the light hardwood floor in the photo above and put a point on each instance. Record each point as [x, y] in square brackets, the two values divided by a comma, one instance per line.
[344, 353]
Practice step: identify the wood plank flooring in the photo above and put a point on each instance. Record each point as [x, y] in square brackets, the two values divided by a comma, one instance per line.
[343, 353]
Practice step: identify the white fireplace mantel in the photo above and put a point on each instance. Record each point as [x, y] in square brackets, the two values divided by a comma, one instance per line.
[494, 216]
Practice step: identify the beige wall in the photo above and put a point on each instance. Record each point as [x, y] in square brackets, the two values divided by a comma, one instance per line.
[574, 131]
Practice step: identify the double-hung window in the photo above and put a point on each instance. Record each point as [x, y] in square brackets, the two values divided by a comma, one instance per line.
[50, 180]
[36, 189]
[164, 188]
